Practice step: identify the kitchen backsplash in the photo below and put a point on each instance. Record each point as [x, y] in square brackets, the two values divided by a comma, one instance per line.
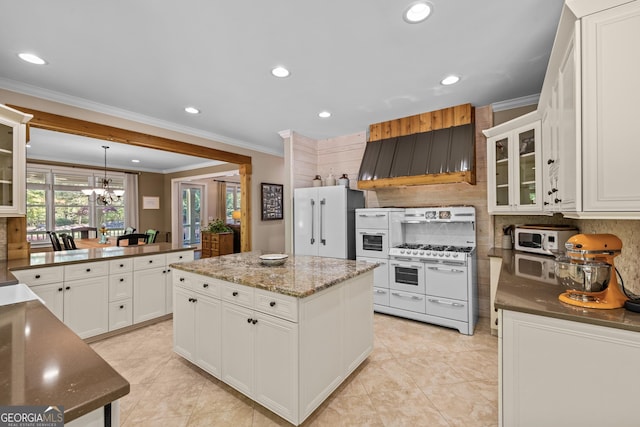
[627, 230]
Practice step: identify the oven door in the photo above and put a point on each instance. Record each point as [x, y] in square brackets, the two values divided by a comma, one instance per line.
[447, 280]
[406, 275]
[372, 243]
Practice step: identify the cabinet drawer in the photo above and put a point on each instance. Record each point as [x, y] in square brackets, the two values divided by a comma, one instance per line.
[40, 276]
[184, 256]
[120, 314]
[120, 286]
[375, 219]
[149, 261]
[279, 305]
[381, 296]
[85, 269]
[124, 265]
[239, 294]
[182, 279]
[450, 309]
[407, 301]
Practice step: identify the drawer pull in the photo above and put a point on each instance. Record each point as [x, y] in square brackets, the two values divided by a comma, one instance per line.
[180, 257]
[396, 294]
[121, 279]
[272, 303]
[67, 288]
[150, 261]
[249, 320]
[446, 270]
[452, 304]
[121, 307]
[205, 285]
[181, 279]
[254, 321]
[235, 293]
[121, 265]
[88, 270]
[60, 289]
[37, 276]
[378, 291]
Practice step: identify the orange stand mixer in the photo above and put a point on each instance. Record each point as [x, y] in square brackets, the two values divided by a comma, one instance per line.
[589, 272]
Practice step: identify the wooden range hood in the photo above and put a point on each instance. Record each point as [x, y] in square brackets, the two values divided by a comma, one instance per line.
[437, 147]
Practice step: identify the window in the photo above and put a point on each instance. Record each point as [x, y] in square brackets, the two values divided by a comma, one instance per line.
[55, 202]
[233, 200]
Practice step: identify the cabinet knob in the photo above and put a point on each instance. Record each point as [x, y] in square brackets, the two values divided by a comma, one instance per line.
[557, 200]
[550, 161]
[205, 285]
[272, 303]
[122, 279]
[180, 257]
[150, 261]
[37, 276]
[254, 321]
[88, 270]
[68, 287]
[182, 279]
[496, 322]
[545, 203]
[249, 320]
[121, 307]
[235, 294]
[59, 289]
[121, 265]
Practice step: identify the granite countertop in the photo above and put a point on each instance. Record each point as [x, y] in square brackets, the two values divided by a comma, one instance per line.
[300, 276]
[518, 291]
[42, 362]
[48, 259]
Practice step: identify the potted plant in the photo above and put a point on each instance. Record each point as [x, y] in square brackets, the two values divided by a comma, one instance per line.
[217, 239]
[218, 226]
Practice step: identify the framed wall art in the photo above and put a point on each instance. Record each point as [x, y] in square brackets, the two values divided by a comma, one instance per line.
[272, 196]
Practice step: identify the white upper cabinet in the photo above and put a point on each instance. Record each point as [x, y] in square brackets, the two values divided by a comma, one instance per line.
[513, 166]
[13, 135]
[587, 107]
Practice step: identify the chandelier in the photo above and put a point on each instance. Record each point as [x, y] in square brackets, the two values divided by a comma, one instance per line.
[104, 194]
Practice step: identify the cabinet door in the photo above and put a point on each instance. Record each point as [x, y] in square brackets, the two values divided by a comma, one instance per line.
[527, 175]
[332, 223]
[149, 298]
[306, 219]
[611, 89]
[237, 347]
[183, 324]
[53, 297]
[12, 161]
[207, 334]
[86, 306]
[276, 364]
[499, 173]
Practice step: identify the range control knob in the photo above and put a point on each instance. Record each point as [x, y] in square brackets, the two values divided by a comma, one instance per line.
[456, 255]
[447, 254]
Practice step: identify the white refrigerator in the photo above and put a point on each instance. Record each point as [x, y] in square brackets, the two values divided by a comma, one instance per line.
[324, 219]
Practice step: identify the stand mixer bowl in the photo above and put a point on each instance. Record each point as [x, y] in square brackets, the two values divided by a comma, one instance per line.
[582, 275]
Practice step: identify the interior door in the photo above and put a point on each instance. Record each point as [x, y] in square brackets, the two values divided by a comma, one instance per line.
[191, 207]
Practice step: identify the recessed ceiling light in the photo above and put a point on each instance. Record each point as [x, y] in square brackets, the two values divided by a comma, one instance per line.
[31, 58]
[417, 11]
[135, 161]
[192, 110]
[324, 114]
[280, 72]
[449, 80]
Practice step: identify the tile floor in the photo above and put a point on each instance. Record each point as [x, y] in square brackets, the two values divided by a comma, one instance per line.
[417, 375]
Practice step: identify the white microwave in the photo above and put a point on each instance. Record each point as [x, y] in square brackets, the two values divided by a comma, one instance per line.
[542, 239]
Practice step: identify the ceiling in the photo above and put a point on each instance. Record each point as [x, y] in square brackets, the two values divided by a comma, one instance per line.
[147, 60]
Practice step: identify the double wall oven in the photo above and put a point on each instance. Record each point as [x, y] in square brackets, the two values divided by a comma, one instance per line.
[432, 274]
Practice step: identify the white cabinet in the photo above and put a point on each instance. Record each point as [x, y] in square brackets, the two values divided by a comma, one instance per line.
[514, 166]
[551, 369]
[173, 258]
[325, 221]
[13, 131]
[53, 297]
[120, 293]
[610, 92]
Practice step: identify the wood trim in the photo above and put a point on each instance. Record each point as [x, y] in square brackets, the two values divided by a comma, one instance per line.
[440, 119]
[442, 178]
[49, 121]
[64, 124]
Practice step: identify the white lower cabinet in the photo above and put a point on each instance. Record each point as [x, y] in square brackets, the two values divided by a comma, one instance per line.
[86, 309]
[556, 372]
[288, 354]
[149, 288]
[53, 297]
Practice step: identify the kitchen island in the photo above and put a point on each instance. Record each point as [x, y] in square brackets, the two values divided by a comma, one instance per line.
[43, 363]
[560, 364]
[285, 336]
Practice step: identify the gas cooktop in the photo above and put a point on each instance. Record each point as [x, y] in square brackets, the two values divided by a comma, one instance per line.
[422, 250]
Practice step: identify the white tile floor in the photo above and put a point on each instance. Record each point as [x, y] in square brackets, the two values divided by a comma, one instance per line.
[417, 375]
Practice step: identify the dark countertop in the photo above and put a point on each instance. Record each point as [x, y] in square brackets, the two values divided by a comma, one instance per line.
[48, 259]
[516, 292]
[300, 276]
[42, 362]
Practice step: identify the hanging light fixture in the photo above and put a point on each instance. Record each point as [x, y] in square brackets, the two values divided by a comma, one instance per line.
[104, 194]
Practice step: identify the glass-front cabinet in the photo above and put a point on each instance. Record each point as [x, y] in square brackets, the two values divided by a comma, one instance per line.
[513, 171]
[13, 134]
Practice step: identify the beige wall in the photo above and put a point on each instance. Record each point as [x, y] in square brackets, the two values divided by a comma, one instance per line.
[266, 235]
[150, 185]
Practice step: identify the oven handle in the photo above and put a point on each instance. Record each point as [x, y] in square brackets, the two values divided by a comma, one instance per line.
[452, 304]
[396, 294]
[446, 270]
[370, 216]
[402, 259]
[372, 234]
[378, 291]
[395, 264]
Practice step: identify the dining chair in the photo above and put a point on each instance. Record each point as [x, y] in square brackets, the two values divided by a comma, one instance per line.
[55, 242]
[85, 232]
[132, 239]
[68, 241]
[129, 230]
[153, 234]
